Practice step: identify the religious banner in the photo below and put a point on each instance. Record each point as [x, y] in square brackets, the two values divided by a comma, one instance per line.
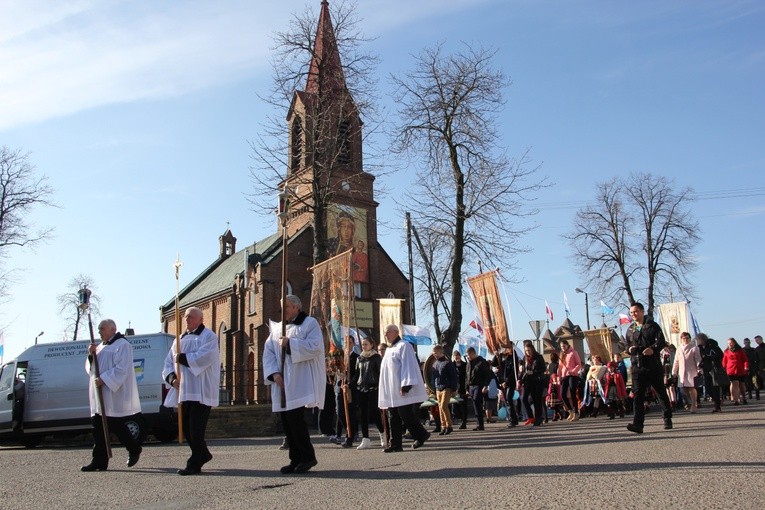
[347, 230]
[599, 343]
[674, 319]
[332, 299]
[390, 313]
[486, 295]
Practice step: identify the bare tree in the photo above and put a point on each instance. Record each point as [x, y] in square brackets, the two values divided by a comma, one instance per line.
[637, 239]
[68, 304]
[472, 192]
[21, 192]
[319, 64]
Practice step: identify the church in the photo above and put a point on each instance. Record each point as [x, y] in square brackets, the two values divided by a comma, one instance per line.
[240, 292]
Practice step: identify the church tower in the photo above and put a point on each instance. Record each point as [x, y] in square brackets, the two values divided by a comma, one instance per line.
[326, 174]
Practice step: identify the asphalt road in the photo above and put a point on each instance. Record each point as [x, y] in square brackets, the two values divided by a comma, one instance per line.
[707, 461]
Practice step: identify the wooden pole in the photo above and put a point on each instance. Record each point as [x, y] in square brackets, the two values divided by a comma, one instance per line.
[283, 205]
[97, 373]
[177, 266]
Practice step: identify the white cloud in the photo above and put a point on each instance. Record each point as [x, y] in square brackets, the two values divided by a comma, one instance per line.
[59, 58]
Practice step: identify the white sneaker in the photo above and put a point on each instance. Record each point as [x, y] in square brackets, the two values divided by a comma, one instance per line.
[382, 439]
[365, 444]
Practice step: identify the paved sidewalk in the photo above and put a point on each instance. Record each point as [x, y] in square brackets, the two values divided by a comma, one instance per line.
[707, 461]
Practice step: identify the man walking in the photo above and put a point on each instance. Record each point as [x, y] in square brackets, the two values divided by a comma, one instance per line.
[401, 386]
[478, 377]
[198, 388]
[303, 379]
[645, 340]
[119, 388]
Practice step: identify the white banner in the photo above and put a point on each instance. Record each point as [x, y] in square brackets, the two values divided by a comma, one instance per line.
[674, 319]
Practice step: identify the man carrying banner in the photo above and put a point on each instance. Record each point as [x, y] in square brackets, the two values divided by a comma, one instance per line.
[302, 378]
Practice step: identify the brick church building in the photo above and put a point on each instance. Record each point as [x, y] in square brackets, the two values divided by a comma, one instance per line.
[240, 291]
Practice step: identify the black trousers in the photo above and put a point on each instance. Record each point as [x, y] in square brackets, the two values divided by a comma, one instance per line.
[195, 416]
[534, 391]
[511, 405]
[120, 429]
[341, 424]
[462, 408]
[299, 440]
[404, 415]
[643, 379]
[713, 390]
[368, 411]
[476, 394]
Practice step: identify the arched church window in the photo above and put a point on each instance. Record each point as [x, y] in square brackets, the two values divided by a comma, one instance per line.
[344, 134]
[296, 143]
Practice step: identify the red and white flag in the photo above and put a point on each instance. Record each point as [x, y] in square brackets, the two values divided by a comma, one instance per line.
[476, 324]
[624, 319]
[548, 310]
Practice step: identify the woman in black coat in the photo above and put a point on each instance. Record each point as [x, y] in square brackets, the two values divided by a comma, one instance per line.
[533, 381]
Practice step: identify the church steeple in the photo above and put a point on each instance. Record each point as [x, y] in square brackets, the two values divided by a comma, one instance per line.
[325, 72]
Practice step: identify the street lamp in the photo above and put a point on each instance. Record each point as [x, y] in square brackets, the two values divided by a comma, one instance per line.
[586, 305]
[38, 336]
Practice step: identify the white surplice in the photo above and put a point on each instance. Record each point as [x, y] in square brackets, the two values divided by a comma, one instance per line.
[120, 389]
[305, 371]
[400, 368]
[200, 381]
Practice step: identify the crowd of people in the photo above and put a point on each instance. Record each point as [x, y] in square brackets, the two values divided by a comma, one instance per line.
[385, 386]
[527, 390]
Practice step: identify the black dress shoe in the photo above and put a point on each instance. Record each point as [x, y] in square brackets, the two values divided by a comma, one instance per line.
[417, 444]
[207, 458]
[634, 428]
[463, 426]
[667, 424]
[392, 449]
[305, 466]
[289, 468]
[478, 428]
[448, 430]
[92, 467]
[285, 445]
[133, 457]
[189, 471]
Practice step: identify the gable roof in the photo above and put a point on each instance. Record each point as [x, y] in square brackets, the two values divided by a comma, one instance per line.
[219, 276]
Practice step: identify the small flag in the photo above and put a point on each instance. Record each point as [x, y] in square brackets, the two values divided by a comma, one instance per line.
[607, 310]
[624, 319]
[565, 305]
[416, 335]
[548, 310]
[476, 324]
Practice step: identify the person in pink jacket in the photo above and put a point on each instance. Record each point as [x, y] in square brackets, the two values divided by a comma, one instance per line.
[736, 365]
[686, 368]
[568, 371]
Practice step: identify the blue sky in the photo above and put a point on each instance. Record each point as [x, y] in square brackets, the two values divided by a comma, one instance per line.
[140, 115]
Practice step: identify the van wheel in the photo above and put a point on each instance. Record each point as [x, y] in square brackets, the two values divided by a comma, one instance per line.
[31, 441]
[165, 435]
[137, 430]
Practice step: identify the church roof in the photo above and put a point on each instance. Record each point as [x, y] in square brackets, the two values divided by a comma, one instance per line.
[219, 276]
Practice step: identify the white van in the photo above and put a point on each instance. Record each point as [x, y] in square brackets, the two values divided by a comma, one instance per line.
[45, 391]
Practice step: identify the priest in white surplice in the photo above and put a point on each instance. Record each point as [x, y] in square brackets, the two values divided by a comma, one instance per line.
[199, 387]
[401, 388]
[303, 378]
[120, 391]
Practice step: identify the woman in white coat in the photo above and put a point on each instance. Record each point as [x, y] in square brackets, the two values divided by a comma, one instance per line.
[686, 368]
